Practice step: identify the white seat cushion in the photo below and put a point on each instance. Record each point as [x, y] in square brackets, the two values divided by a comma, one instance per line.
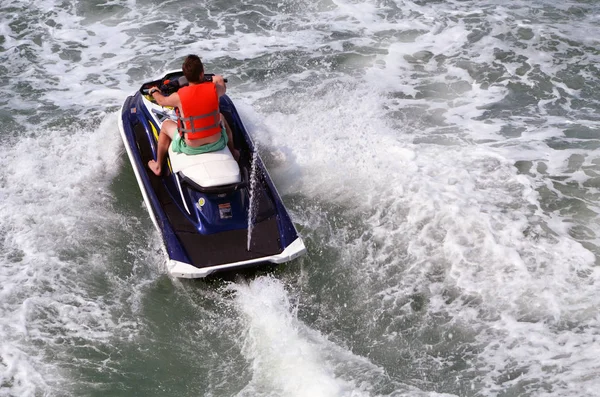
[207, 169]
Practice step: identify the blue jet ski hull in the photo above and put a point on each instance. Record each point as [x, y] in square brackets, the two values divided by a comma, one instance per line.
[205, 229]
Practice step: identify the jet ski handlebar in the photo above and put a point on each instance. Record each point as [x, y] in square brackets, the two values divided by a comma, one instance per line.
[169, 86]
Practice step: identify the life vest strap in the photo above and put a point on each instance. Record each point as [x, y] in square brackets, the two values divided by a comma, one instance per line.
[191, 119]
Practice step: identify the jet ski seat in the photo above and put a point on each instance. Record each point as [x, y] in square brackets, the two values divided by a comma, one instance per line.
[207, 170]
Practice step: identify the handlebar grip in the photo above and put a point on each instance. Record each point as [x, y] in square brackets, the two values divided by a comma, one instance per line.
[209, 77]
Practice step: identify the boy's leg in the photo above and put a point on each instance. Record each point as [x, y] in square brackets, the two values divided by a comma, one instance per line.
[232, 149]
[167, 131]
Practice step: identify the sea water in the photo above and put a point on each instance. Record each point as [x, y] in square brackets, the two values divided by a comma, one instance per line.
[439, 158]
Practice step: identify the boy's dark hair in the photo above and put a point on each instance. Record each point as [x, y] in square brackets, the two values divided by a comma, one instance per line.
[193, 68]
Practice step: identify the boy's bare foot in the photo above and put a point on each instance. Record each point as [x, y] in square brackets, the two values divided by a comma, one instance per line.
[154, 166]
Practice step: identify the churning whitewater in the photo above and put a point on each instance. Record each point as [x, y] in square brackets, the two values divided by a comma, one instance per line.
[441, 160]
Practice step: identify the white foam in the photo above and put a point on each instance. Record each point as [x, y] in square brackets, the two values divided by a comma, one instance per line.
[286, 357]
[459, 212]
[56, 203]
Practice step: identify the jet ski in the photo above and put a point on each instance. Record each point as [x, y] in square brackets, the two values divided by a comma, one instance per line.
[214, 213]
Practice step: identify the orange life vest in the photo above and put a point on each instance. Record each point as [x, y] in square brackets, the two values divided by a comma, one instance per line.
[200, 106]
